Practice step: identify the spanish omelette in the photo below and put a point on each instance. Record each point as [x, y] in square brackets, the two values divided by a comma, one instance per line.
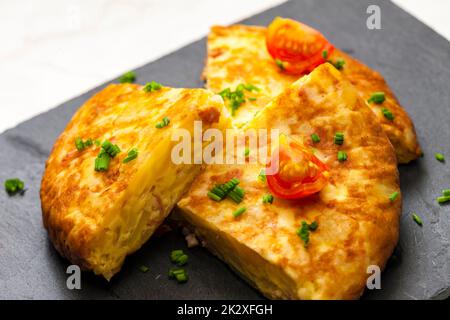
[358, 223]
[96, 218]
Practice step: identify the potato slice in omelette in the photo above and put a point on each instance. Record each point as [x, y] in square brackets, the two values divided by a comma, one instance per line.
[237, 55]
[96, 218]
[358, 224]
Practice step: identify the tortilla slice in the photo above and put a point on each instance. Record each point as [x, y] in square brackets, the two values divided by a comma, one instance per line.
[237, 55]
[358, 224]
[96, 218]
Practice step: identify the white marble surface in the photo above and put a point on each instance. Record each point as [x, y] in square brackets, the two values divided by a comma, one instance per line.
[53, 50]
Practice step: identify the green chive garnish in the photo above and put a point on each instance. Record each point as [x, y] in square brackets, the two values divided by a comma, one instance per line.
[111, 149]
[417, 219]
[325, 54]
[178, 274]
[237, 98]
[164, 123]
[14, 185]
[128, 77]
[339, 64]
[339, 138]
[262, 175]
[446, 192]
[377, 97]
[439, 157]
[152, 86]
[220, 191]
[98, 143]
[79, 144]
[239, 212]
[144, 269]
[213, 196]
[252, 99]
[279, 64]
[388, 114]
[102, 161]
[179, 257]
[247, 152]
[443, 199]
[394, 196]
[303, 231]
[342, 156]
[315, 138]
[237, 194]
[132, 154]
[267, 198]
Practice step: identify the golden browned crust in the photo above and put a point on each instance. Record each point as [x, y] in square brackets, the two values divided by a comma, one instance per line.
[358, 224]
[96, 218]
[237, 54]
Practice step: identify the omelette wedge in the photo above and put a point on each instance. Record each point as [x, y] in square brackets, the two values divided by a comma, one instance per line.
[237, 55]
[95, 218]
[357, 223]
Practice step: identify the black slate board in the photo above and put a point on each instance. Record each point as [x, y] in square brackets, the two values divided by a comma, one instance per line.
[414, 60]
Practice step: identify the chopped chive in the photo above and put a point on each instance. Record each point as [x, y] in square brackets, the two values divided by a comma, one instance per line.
[279, 64]
[252, 99]
[182, 260]
[339, 64]
[339, 138]
[303, 231]
[111, 149]
[262, 175]
[239, 212]
[152, 86]
[247, 152]
[315, 138]
[98, 142]
[88, 142]
[178, 274]
[394, 196]
[388, 114]
[102, 161]
[446, 192]
[175, 254]
[342, 156]
[237, 97]
[144, 269]
[174, 271]
[128, 77]
[214, 196]
[417, 219]
[237, 194]
[164, 123]
[439, 157]
[377, 97]
[79, 144]
[132, 154]
[267, 198]
[181, 278]
[325, 54]
[443, 199]
[250, 87]
[14, 185]
[220, 191]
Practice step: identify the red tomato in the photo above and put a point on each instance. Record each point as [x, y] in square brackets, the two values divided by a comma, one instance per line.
[298, 47]
[300, 173]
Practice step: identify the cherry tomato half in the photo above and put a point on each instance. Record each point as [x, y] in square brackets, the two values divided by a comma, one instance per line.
[296, 46]
[300, 173]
